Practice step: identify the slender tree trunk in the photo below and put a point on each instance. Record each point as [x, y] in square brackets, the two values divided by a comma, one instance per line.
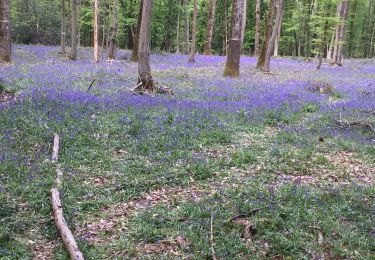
[134, 56]
[276, 48]
[112, 43]
[194, 33]
[330, 48]
[106, 11]
[5, 39]
[225, 27]
[339, 13]
[187, 36]
[96, 30]
[178, 31]
[279, 17]
[78, 24]
[267, 35]
[232, 66]
[167, 43]
[340, 51]
[74, 41]
[210, 27]
[145, 80]
[372, 45]
[62, 46]
[243, 27]
[257, 28]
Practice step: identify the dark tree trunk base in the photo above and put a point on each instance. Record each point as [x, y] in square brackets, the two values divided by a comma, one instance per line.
[151, 88]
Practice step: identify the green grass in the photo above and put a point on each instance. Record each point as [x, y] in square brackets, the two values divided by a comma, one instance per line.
[112, 157]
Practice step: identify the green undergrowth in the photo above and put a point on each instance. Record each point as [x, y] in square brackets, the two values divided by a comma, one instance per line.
[285, 223]
[110, 157]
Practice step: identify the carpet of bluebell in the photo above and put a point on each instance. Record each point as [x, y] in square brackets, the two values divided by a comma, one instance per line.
[264, 166]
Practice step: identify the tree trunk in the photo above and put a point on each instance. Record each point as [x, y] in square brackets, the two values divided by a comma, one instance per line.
[279, 17]
[178, 31]
[187, 36]
[257, 28]
[63, 33]
[167, 43]
[210, 27]
[194, 33]
[5, 39]
[340, 51]
[78, 24]
[145, 80]
[134, 56]
[106, 12]
[112, 43]
[267, 35]
[276, 48]
[232, 66]
[96, 30]
[330, 48]
[243, 27]
[225, 27]
[342, 14]
[74, 41]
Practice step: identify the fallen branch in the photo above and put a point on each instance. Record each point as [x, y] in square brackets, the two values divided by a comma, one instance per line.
[269, 73]
[91, 84]
[62, 226]
[251, 213]
[55, 149]
[212, 239]
[368, 111]
[347, 124]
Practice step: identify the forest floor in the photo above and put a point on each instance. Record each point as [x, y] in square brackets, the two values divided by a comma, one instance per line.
[277, 166]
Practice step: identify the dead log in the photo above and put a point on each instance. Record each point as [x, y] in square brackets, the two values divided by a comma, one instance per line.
[62, 226]
[66, 234]
[55, 149]
[342, 124]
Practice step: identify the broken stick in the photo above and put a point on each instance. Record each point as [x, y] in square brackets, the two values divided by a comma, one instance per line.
[62, 226]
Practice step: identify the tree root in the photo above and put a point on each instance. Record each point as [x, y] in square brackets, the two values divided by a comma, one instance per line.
[151, 88]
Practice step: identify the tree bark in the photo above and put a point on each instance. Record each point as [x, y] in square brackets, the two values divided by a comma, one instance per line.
[112, 43]
[63, 33]
[5, 39]
[330, 48]
[257, 27]
[106, 14]
[225, 27]
[279, 17]
[210, 27]
[232, 65]
[134, 56]
[74, 41]
[178, 30]
[145, 80]
[96, 30]
[187, 33]
[267, 34]
[342, 14]
[243, 27]
[194, 33]
[340, 51]
[276, 48]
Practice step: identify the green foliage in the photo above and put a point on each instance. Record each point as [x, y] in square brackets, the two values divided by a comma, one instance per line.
[307, 26]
